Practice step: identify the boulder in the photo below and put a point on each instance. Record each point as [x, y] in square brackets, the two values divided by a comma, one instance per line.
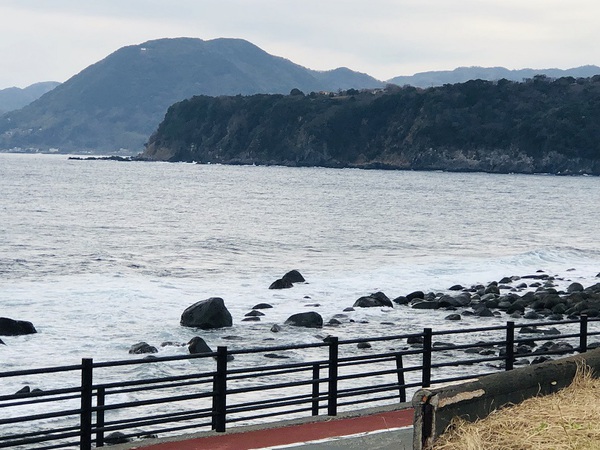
[11, 327]
[207, 314]
[281, 284]
[254, 313]
[373, 300]
[414, 295]
[141, 348]
[275, 328]
[426, 304]
[198, 345]
[116, 438]
[306, 319]
[575, 287]
[293, 276]
[262, 306]
[453, 317]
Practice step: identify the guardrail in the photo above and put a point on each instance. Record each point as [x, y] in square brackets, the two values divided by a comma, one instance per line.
[175, 394]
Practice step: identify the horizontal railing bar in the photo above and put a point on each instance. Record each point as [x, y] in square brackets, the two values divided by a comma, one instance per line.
[193, 376]
[53, 431]
[157, 401]
[263, 416]
[307, 397]
[303, 365]
[148, 420]
[156, 388]
[51, 415]
[32, 396]
[271, 387]
[40, 371]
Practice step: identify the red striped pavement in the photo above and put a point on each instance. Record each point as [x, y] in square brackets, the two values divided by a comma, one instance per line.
[292, 434]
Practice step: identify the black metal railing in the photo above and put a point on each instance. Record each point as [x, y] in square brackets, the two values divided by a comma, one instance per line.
[215, 390]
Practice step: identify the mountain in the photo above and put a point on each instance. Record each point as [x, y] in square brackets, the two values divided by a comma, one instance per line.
[542, 125]
[15, 98]
[117, 102]
[463, 74]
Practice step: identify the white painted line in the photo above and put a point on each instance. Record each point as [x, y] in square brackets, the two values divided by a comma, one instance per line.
[332, 439]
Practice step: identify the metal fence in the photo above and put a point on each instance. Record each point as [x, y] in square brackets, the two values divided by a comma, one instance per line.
[226, 387]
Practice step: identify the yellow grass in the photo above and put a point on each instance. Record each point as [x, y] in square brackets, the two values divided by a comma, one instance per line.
[568, 419]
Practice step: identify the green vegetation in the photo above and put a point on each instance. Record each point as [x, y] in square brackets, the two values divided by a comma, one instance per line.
[540, 125]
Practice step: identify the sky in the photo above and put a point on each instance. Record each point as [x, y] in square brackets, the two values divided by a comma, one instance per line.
[52, 40]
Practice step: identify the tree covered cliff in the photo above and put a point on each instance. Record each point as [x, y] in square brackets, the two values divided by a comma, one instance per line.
[541, 125]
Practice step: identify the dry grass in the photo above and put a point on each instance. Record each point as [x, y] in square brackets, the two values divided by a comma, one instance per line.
[569, 419]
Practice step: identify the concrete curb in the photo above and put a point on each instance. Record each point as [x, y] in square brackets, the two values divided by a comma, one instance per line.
[436, 407]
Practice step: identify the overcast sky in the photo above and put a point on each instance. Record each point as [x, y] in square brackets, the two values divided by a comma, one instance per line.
[42, 40]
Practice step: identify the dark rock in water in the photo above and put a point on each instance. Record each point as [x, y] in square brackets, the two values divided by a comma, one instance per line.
[453, 317]
[425, 304]
[276, 328]
[363, 345]
[484, 312]
[575, 287]
[2, 342]
[255, 313]
[348, 309]
[306, 319]
[373, 300]
[540, 359]
[25, 390]
[401, 300]
[293, 276]
[492, 289]
[416, 294]
[275, 356]
[281, 284]
[251, 319]
[262, 306]
[198, 345]
[141, 348]
[334, 322]
[116, 438]
[207, 314]
[532, 315]
[11, 327]
[415, 340]
[456, 287]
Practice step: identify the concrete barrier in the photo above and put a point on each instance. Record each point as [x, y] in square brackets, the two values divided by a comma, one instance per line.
[435, 407]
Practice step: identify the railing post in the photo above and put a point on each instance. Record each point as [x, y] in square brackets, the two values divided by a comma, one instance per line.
[315, 389]
[85, 420]
[427, 346]
[333, 376]
[219, 408]
[583, 333]
[510, 346]
[100, 402]
[401, 381]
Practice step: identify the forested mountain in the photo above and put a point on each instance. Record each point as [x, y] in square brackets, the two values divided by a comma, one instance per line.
[543, 125]
[464, 74]
[15, 98]
[118, 102]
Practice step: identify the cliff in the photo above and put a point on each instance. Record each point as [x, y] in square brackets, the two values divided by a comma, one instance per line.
[539, 126]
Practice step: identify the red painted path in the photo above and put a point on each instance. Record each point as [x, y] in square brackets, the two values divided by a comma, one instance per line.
[292, 434]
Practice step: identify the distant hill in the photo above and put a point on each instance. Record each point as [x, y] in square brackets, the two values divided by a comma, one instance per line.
[463, 74]
[118, 102]
[15, 98]
[542, 125]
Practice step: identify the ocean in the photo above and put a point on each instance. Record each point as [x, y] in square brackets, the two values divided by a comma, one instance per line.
[100, 255]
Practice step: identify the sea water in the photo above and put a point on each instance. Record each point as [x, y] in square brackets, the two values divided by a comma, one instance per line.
[100, 255]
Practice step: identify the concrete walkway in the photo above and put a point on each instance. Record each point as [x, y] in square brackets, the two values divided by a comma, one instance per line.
[381, 430]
